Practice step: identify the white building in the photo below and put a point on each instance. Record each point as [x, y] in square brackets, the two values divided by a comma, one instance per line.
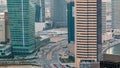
[2, 27]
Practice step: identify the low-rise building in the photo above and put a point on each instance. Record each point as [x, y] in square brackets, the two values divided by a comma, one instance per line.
[41, 41]
[5, 50]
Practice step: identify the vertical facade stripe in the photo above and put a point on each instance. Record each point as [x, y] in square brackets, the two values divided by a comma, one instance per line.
[23, 22]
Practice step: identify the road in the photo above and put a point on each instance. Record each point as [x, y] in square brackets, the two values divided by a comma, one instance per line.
[109, 44]
[48, 55]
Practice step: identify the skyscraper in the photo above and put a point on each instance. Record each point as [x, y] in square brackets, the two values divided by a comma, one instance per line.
[3, 5]
[116, 17]
[116, 12]
[39, 10]
[58, 13]
[2, 28]
[88, 31]
[42, 10]
[104, 16]
[70, 20]
[21, 17]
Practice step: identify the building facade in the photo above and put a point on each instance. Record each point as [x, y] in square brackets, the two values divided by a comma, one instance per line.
[104, 17]
[37, 11]
[3, 6]
[115, 14]
[2, 27]
[7, 28]
[40, 11]
[21, 17]
[5, 48]
[58, 13]
[88, 31]
[116, 18]
[70, 20]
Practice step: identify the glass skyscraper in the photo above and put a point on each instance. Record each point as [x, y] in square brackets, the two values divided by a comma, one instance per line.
[70, 20]
[115, 14]
[116, 18]
[21, 16]
[58, 13]
[40, 11]
[37, 11]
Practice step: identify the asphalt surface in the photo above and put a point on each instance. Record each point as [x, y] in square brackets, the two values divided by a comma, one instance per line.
[52, 49]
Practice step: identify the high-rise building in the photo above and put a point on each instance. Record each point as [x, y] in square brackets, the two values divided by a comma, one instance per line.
[3, 5]
[21, 17]
[116, 18]
[70, 20]
[104, 16]
[115, 14]
[47, 10]
[37, 11]
[58, 13]
[40, 11]
[88, 31]
[2, 27]
[108, 16]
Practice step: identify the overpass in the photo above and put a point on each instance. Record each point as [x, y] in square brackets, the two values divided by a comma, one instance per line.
[109, 44]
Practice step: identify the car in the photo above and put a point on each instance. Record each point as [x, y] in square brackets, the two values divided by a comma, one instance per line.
[68, 66]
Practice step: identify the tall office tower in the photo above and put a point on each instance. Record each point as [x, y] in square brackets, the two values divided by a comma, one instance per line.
[7, 28]
[47, 10]
[58, 13]
[21, 17]
[116, 18]
[3, 5]
[2, 28]
[104, 16]
[109, 16]
[39, 10]
[70, 20]
[115, 13]
[88, 31]
[42, 10]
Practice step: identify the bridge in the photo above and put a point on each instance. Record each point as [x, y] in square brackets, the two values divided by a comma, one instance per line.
[109, 44]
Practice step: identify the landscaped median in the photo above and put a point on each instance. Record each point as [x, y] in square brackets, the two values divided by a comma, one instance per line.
[70, 59]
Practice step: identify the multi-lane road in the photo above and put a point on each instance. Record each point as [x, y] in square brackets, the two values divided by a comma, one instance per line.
[49, 55]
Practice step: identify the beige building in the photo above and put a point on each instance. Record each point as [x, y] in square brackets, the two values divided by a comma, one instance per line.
[87, 31]
[2, 27]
